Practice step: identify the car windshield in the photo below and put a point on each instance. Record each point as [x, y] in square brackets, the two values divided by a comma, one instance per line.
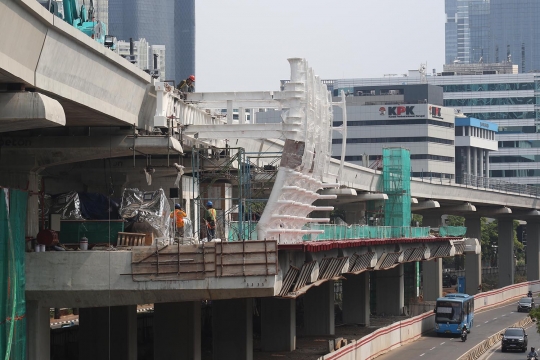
[513, 332]
[448, 311]
[525, 300]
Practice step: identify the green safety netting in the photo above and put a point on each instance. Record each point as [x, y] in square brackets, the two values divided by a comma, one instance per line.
[343, 232]
[397, 185]
[12, 274]
[452, 230]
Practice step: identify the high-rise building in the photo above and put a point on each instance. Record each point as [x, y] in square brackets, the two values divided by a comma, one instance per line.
[511, 101]
[493, 31]
[167, 22]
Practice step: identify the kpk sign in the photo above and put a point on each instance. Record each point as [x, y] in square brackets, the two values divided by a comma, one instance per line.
[400, 111]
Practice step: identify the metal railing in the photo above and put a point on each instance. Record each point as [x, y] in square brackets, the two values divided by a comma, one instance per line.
[339, 232]
[498, 185]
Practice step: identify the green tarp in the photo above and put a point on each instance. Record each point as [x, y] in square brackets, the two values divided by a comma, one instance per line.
[12, 274]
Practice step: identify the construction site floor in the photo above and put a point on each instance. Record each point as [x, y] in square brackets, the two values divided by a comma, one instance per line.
[313, 347]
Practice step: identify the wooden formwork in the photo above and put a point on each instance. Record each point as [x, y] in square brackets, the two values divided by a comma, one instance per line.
[197, 262]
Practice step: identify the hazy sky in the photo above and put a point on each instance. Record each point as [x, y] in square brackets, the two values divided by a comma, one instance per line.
[243, 45]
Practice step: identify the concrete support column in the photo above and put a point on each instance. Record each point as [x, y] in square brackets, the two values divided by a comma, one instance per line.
[390, 291]
[533, 251]
[432, 270]
[473, 262]
[481, 162]
[38, 331]
[278, 324]
[319, 310]
[177, 330]
[432, 279]
[356, 299]
[506, 252]
[108, 333]
[232, 329]
[475, 162]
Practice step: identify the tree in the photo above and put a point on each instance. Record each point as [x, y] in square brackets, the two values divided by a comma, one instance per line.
[454, 220]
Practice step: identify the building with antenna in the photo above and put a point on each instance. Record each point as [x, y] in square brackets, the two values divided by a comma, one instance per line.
[494, 31]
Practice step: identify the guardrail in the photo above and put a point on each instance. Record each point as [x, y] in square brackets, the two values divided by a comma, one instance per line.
[499, 185]
[395, 335]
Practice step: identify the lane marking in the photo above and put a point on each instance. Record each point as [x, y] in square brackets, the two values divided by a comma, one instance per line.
[494, 318]
[503, 315]
[477, 325]
[432, 348]
[423, 354]
[486, 322]
[443, 343]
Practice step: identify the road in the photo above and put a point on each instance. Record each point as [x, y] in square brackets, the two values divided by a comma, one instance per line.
[495, 352]
[486, 324]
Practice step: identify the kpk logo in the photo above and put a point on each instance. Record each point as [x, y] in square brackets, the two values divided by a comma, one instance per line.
[394, 111]
[435, 112]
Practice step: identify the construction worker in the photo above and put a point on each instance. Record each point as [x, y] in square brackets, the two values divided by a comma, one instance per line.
[210, 219]
[187, 85]
[179, 215]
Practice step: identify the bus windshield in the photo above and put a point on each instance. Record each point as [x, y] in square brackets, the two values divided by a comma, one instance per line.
[448, 311]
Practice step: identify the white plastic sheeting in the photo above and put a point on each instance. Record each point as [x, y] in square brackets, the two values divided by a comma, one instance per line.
[306, 155]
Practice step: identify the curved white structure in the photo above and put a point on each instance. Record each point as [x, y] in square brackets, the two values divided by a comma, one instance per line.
[306, 155]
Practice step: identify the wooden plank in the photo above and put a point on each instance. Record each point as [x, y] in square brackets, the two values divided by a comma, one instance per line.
[248, 270]
[169, 277]
[170, 268]
[249, 259]
[250, 246]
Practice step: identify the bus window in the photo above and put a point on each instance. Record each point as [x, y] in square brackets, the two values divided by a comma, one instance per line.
[448, 311]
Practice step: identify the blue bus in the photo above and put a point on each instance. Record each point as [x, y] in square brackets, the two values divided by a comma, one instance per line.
[452, 312]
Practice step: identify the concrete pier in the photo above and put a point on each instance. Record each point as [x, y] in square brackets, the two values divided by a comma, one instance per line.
[390, 291]
[356, 299]
[473, 262]
[38, 331]
[506, 252]
[177, 330]
[319, 310]
[432, 279]
[232, 329]
[533, 250]
[278, 324]
[108, 333]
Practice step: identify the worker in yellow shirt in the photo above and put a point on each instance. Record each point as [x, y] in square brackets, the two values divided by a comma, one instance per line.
[179, 215]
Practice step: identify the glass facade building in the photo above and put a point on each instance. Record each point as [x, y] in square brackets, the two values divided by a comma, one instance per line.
[493, 31]
[167, 22]
[512, 101]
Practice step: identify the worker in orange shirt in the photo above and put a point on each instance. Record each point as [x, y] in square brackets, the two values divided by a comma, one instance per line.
[179, 215]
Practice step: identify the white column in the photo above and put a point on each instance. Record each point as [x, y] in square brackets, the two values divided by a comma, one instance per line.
[475, 161]
[487, 163]
[468, 160]
[481, 162]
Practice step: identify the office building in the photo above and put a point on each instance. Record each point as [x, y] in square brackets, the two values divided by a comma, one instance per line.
[474, 141]
[167, 22]
[494, 31]
[511, 101]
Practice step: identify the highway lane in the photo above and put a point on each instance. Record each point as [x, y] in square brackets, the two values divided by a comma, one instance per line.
[485, 324]
[495, 352]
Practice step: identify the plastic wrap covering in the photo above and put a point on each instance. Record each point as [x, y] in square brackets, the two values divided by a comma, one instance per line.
[68, 205]
[188, 228]
[148, 210]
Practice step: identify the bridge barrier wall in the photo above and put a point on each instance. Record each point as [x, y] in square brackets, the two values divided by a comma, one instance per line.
[400, 333]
